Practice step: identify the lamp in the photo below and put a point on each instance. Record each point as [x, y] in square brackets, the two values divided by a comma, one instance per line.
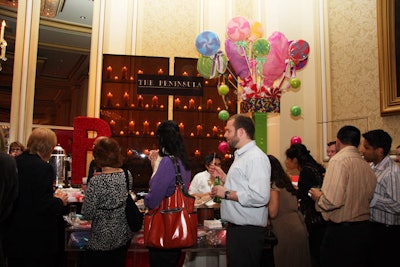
[3, 43]
[50, 8]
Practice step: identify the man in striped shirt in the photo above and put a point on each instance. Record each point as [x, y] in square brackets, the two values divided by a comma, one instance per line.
[385, 206]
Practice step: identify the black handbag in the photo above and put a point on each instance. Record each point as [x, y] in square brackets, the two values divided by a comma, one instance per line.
[132, 212]
[270, 237]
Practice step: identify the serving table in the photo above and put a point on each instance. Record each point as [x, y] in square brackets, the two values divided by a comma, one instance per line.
[76, 238]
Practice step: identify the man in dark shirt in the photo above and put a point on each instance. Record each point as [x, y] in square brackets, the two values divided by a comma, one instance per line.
[8, 189]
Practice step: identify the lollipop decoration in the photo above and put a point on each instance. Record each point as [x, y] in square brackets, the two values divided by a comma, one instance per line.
[207, 43]
[265, 67]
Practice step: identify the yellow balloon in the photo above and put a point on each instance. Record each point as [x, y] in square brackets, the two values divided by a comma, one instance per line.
[256, 30]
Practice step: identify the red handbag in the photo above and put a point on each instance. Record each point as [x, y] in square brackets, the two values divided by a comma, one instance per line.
[173, 224]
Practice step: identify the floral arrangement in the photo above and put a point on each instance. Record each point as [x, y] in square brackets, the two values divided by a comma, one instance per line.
[261, 65]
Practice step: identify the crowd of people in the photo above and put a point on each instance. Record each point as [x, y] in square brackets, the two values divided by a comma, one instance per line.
[346, 213]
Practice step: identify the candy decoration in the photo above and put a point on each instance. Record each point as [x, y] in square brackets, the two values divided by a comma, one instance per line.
[295, 111]
[237, 60]
[276, 58]
[223, 115]
[261, 47]
[219, 65]
[301, 64]
[207, 43]
[295, 82]
[299, 50]
[295, 140]
[256, 31]
[238, 29]
[223, 147]
[223, 89]
[204, 66]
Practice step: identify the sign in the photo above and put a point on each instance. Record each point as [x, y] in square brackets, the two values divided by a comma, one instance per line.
[169, 85]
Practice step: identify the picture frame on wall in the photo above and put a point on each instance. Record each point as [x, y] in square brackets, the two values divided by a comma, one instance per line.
[388, 51]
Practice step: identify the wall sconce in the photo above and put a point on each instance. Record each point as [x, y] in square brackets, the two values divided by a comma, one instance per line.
[3, 43]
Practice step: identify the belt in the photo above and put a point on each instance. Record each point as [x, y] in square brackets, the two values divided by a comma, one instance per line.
[347, 223]
[233, 225]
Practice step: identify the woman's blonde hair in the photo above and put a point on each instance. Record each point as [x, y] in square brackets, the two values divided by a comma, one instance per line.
[42, 141]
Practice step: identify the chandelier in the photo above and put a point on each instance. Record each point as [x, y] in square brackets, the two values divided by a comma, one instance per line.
[48, 8]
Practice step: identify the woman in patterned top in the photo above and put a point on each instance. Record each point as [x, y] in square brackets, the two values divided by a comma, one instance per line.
[104, 204]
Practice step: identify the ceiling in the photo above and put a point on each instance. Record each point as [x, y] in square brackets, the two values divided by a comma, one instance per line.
[63, 57]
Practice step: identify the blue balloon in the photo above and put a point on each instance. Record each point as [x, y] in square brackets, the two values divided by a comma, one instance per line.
[207, 43]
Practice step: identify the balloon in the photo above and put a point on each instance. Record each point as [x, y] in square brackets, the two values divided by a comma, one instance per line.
[207, 43]
[238, 61]
[301, 64]
[299, 50]
[295, 140]
[295, 82]
[223, 147]
[204, 66]
[211, 67]
[295, 111]
[238, 29]
[261, 47]
[256, 31]
[223, 89]
[223, 115]
[275, 65]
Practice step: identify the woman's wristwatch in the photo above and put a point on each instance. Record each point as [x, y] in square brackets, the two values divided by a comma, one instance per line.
[227, 194]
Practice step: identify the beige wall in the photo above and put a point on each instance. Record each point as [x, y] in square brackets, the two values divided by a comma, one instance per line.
[355, 69]
[348, 28]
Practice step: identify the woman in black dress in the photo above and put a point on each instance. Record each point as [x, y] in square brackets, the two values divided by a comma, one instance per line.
[311, 175]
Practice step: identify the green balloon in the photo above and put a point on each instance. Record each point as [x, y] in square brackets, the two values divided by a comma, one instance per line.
[295, 82]
[205, 64]
[223, 115]
[295, 111]
[261, 47]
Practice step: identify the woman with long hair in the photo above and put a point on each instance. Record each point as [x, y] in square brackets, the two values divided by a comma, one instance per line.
[311, 175]
[287, 221]
[162, 183]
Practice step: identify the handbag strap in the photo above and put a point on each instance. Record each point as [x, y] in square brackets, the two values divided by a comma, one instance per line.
[127, 180]
[179, 181]
[178, 176]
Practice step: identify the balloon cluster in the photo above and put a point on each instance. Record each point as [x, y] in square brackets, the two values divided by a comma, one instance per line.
[262, 65]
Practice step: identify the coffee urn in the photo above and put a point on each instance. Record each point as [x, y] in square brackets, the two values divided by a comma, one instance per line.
[57, 160]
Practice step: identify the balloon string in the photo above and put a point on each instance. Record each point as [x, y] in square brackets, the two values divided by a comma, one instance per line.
[282, 79]
[233, 75]
[234, 85]
[248, 63]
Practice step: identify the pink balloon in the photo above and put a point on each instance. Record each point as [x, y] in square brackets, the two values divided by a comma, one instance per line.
[276, 58]
[238, 29]
[223, 147]
[295, 140]
[238, 61]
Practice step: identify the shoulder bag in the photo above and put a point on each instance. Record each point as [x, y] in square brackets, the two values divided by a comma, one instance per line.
[173, 224]
[132, 212]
